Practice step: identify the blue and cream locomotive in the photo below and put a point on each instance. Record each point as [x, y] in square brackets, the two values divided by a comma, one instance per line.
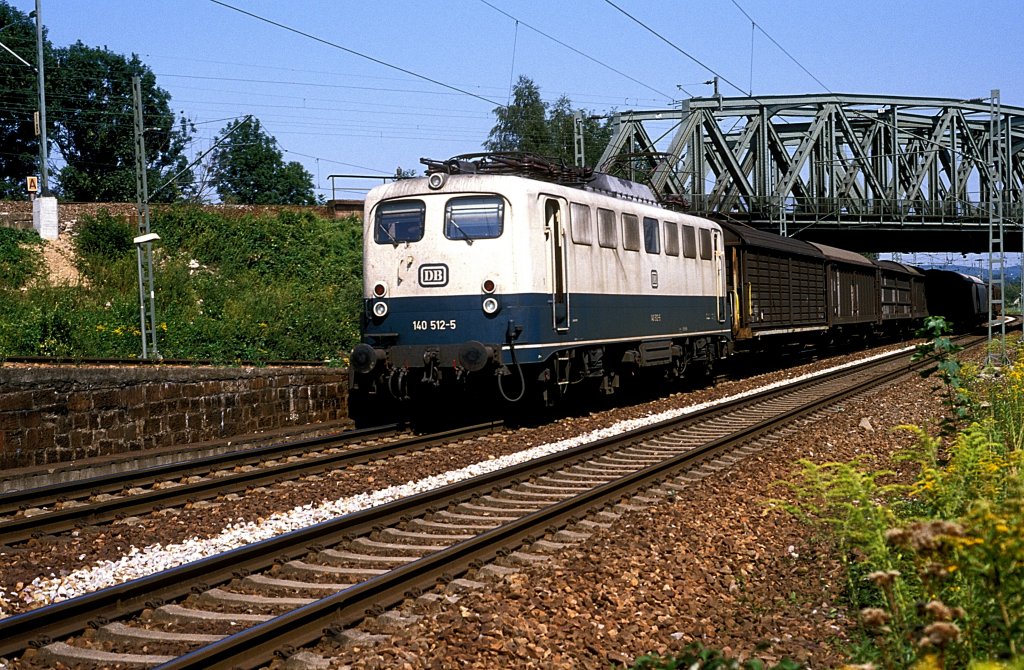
[508, 274]
[495, 272]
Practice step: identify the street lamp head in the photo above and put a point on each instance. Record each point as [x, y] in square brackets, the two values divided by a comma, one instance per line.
[148, 237]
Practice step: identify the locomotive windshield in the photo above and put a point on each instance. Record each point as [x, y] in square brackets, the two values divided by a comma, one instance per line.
[474, 218]
[399, 221]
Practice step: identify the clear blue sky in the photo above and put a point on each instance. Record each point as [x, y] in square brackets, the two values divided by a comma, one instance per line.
[339, 113]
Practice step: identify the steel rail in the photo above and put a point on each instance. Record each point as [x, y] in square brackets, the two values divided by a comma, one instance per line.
[72, 616]
[258, 645]
[22, 529]
[39, 496]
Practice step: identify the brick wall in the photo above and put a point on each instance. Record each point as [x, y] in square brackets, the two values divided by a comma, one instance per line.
[61, 413]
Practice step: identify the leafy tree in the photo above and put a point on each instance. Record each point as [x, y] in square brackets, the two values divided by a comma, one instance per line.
[19, 96]
[561, 134]
[249, 169]
[530, 125]
[522, 125]
[93, 111]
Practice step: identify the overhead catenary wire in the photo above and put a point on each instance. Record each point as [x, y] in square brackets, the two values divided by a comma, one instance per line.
[512, 69]
[755, 25]
[346, 75]
[664, 39]
[673, 45]
[329, 160]
[297, 121]
[575, 50]
[312, 84]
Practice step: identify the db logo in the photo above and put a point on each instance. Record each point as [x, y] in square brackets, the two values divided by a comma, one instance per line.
[434, 275]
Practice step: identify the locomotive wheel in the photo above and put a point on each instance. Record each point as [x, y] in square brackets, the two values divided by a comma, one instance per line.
[371, 409]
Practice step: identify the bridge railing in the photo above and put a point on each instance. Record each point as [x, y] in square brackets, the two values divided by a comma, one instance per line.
[856, 210]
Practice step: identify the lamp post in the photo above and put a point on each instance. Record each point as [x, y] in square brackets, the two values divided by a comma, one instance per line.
[147, 241]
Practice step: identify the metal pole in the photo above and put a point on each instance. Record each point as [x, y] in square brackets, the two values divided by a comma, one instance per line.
[43, 180]
[577, 128]
[142, 302]
[141, 187]
[993, 195]
[152, 300]
[996, 256]
[142, 202]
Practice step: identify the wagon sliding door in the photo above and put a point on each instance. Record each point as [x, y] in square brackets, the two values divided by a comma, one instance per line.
[555, 229]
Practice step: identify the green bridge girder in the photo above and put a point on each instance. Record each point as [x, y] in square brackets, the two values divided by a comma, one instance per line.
[863, 172]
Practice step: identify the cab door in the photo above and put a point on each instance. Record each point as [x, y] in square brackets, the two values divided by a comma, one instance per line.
[554, 229]
[720, 293]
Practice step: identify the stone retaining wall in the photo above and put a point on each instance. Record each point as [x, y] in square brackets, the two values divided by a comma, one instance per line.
[51, 414]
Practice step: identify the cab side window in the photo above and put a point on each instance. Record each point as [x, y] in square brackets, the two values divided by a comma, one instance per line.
[671, 238]
[630, 232]
[652, 236]
[607, 231]
[580, 226]
[689, 242]
[705, 244]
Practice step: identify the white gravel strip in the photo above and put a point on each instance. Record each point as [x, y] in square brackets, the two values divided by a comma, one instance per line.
[154, 558]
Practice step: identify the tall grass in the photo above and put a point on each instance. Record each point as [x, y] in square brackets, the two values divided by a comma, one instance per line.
[20, 259]
[939, 567]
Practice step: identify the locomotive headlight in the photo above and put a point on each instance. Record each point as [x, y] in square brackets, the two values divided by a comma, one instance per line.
[488, 286]
[436, 180]
[380, 309]
[380, 290]
[490, 305]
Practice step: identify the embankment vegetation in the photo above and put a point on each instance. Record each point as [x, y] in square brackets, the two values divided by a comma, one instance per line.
[229, 288]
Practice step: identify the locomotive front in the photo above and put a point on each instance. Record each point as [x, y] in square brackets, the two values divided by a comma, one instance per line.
[440, 257]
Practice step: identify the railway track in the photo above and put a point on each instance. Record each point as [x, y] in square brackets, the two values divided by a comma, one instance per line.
[63, 507]
[75, 501]
[240, 608]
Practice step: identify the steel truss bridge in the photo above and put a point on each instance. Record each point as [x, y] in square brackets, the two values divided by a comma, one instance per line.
[867, 173]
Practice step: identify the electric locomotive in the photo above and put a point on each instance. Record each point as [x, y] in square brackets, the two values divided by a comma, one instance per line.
[512, 276]
[507, 277]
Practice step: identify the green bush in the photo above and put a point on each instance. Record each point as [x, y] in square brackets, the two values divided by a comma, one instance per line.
[68, 322]
[20, 257]
[938, 566]
[103, 237]
[228, 288]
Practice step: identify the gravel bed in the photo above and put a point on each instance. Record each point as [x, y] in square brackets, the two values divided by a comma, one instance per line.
[47, 560]
[720, 565]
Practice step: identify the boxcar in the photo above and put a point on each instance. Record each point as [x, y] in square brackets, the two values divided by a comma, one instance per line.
[961, 298]
[852, 290]
[903, 297]
[777, 284]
